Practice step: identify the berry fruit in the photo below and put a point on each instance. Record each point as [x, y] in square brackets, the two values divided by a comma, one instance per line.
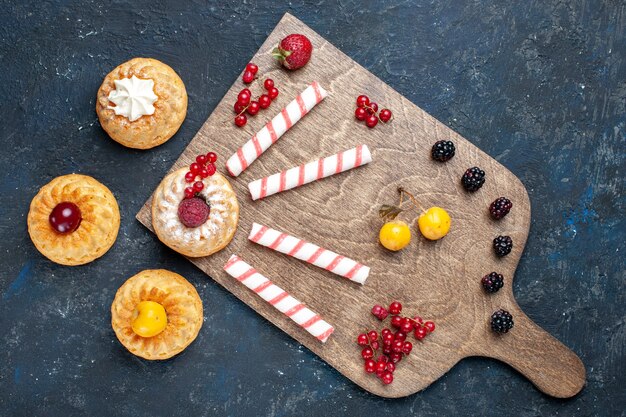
[501, 321]
[395, 235]
[294, 51]
[385, 115]
[149, 319]
[268, 84]
[198, 186]
[387, 378]
[241, 120]
[373, 108]
[370, 366]
[211, 157]
[193, 211]
[189, 192]
[244, 97]
[420, 333]
[272, 92]
[265, 101]
[473, 179]
[190, 177]
[371, 121]
[362, 101]
[253, 108]
[396, 321]
[434, 223]
[443, 150]
[492, 282]
[502, 245]
[252, 68]
[65, 217]
[395, 308]
[367, 353]
[247, 77]
[360, 113]
[362, 339]
[429, 326]
[379, 312]
[500, 208]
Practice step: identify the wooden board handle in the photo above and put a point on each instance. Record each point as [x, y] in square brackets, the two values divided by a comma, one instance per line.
[546, 362]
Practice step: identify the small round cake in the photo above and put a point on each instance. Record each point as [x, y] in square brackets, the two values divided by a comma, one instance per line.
[198, 223]
[142, 103]
[73, 219]
[156, 314]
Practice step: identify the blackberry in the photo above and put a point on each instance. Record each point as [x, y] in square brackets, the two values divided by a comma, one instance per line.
[502, 245]
[492, 282]
[500, 208]
[443, 150]
[473, 179]
[501, 321]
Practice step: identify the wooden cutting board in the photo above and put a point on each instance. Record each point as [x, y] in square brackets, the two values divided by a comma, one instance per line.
[437, 280]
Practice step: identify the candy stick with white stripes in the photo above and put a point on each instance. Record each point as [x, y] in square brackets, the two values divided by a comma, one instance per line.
[275, 128]
[312, 171]
[279, 298]
[308, 252]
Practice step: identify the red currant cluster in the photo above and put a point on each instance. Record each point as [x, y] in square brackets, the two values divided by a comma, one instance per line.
[203, 167]
[245, 104]
[368, 111]
[394, 344]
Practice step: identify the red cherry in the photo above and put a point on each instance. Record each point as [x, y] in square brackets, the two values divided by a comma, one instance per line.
[395, 308]
[204, 172]
[211, 169]
[385, 115]
[238, 107]
[430, 326]
[247, 77]
[253, 68]
[189, 177]
[268, 84]
[241, 120]
[396, 321]
[371, 121]
[370, 366]
[362, 339]
[194, 168]
[373, 108]
[243, 97]
[211, 157]
[265, 101]
[387, 378]
[407, 347]
[360, 113]
[420, 333]
[253, 108]
[273, 93]
[367, 353]
[362, 101]
[201, 159]
[189, 192]
[65, 217]
[198, 186]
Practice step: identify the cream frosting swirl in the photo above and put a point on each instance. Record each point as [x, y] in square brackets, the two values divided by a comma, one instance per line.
[133, 98]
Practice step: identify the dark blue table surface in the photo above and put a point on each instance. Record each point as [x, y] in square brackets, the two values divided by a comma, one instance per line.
[539, 85]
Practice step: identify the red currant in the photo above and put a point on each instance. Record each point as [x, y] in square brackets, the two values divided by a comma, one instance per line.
[244, 97]
[265, 101]
[370, 366]
[373, 108]
[381, 366]
[189, 192]
[380, 373]
[194, 168]
[420, 333]
[253, 108]
[252, 68]
[395, 308]
[391, 367]
[198, 186]
[238, 107]
[241, 120]
[407, 348]
[399, 336]
[383, 358]
[204, 172]
[362, 101]
[388, 339]
[430, 326]
[210, 167]
[385, 115]
[65, 217]
[201, 159]
[387, 378]
[371, 121]
[362, 339]
[418, 320]
[385, 331]
[367, 353]
[273, 92]
[375, 345]
[360, 113]
[248, 77]
[387, 349]
[190, 176]
[395, 357]
[407, 325]
[396, 321]
[372, 335]
[397, 345]
[211, 157]
[268, 84]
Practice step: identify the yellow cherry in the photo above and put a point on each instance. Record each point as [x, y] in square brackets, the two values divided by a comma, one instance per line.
[149, 319]
[434, 223]
[395, 235]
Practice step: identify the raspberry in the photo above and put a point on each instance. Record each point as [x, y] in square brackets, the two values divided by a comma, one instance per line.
[193, 212]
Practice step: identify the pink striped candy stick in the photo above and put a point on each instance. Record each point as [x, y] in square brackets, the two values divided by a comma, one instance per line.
[305, 251]
[279, 298]
[313, 171]
[277, 127]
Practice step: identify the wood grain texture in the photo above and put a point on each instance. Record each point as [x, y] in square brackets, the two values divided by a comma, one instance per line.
[439, 280]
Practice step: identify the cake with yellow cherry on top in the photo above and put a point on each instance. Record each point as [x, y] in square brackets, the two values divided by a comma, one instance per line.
[141, 103]
[156, 314]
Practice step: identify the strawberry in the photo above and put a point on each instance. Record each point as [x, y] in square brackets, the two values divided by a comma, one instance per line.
[294, 51]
